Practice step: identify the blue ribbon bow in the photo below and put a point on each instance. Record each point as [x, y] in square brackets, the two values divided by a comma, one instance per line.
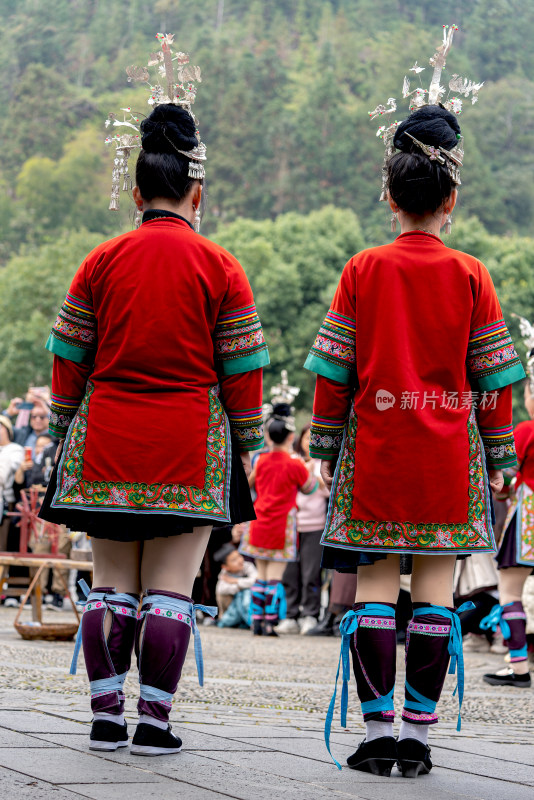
[347, 627]
[494, 619]
[456, 651]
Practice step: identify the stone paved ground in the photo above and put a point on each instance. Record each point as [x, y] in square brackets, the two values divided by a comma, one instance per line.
[254, 731]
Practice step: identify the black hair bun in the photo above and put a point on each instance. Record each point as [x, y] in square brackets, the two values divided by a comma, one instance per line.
[432, 125]
[281, 410]
[168, 128]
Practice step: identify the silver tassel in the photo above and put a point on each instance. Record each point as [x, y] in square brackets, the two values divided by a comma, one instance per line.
[448, 224]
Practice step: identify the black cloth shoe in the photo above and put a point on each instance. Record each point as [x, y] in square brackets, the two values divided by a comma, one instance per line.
[257, 627]
[414, 758]
[376, 756]
[325, 626]
[106, 735]
[509, 678]
[149, 740]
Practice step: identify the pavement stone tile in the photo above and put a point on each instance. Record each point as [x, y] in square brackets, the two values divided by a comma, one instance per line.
[490, 765]
[299, 745]
[163, 790]
[63, 766]
[14, 786]
[14, 739]
[439, 785]
[227, 775]
[504, 751]
[36, 722]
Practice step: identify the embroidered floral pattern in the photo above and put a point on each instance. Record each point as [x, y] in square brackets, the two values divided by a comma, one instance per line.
[429, 630]
[238, 334]
[326, 436]
[412, 716]
[247, 427]
[165, 612]
[62, 411]
[76, 324]
[525, 527]
[335, 344]
[491, 351]
[377, 622]
[475, 535]
[209, 501]
[499, 446]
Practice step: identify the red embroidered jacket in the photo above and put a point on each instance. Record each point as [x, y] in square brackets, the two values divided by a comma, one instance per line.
[158, 334]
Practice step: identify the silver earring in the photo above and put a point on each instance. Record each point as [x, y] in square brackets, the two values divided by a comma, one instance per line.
[196, 223]
[393, 222]
[138, 218]
[448, 224]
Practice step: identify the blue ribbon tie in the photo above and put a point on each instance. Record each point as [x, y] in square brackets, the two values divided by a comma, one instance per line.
[455, 646]
[348, 625]
[495, 618]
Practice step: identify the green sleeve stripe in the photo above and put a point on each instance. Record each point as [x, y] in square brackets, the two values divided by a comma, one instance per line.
[500, 379]
[246, 363]
[68, 351]
[324, 455]
[326, 369]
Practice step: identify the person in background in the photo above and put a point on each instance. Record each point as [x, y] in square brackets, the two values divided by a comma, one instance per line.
[11, 456]
[37, 472]
[236, 576]
[302, 578]
[271, 538]
[515, 562]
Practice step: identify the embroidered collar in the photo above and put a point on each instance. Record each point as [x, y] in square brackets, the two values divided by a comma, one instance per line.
[156, 213]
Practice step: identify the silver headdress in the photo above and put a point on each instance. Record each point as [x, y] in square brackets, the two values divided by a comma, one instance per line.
[434, 95]
[527, 334]
[173, 84]
[284, 394]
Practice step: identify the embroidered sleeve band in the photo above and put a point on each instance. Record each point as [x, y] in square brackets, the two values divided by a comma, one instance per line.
[499, 446]
[333, 354]
[74, 333]
[62, 411]
[326, 436]
[239, 342]
[247, 428]
[492, 359]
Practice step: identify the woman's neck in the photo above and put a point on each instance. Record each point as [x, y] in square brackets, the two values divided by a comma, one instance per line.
[280, 448]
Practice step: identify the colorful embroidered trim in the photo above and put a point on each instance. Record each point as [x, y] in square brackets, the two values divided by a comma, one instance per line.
[377, 622]
[499, 446]
[429, 630]
[247, 427]
[525, 526]
[492, 359]
[326, 437]
[473, 536]
[311, 485]
[75, 325]
[62, 412]
[411, 716]
[239, 342]
[333, 354]
[210, 501]
[162, 612]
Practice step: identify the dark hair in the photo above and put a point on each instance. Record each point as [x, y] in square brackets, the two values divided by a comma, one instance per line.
[298, 443]
[161, 171]
[417, 184]
[278, 428]
[223, 552]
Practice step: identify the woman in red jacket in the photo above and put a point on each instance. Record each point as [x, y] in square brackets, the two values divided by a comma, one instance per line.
[158, 329]
[272, 537]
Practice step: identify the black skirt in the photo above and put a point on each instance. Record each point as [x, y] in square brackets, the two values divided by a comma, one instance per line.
[128, 526]
[507, 555]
